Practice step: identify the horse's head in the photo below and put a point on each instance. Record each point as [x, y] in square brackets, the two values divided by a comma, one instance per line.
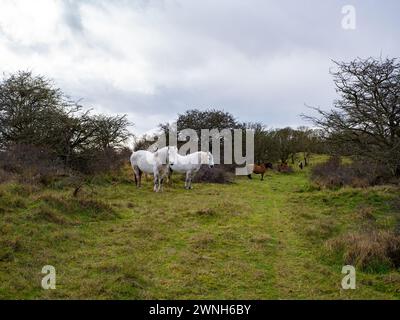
[172, 154]
[210, 160]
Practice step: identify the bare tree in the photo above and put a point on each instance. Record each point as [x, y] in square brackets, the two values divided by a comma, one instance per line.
[33, 112]
[307, 142]
[262, 142]
[26, 103]
[208, 119]
[284, 143]
[110, 131]
[366, 117]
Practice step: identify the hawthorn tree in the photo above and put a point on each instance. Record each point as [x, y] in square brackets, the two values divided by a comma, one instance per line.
[365, 119]
[34, 112]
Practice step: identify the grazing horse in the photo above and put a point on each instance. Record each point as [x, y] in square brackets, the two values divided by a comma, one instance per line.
[155, 163]
[190, 164]
[259, 169]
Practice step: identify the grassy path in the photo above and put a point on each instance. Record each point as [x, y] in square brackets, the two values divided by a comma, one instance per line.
[249, 240]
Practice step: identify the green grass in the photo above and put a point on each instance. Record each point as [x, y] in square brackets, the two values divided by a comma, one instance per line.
[247, 240]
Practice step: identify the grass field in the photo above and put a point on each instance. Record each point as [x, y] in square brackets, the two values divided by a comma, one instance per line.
[247, 240]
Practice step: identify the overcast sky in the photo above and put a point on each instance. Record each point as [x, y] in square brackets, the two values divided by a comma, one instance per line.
[260, 60]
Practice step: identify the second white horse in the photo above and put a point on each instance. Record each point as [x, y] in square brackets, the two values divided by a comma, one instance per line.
[189, 164]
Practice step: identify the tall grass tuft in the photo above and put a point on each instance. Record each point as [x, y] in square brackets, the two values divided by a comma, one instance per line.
[375, 250]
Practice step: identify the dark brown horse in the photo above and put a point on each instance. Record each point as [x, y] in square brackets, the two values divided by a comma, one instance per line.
[260, 169]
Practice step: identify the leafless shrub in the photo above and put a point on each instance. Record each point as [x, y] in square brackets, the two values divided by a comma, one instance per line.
[30, 164]
[95, 161]
[358, 174]
[218, 174]
[5, 176]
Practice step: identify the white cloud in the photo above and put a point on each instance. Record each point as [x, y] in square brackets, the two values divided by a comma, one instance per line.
[30, 22]
[261, 60]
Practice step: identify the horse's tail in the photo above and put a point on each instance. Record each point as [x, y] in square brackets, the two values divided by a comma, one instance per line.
[132, 160]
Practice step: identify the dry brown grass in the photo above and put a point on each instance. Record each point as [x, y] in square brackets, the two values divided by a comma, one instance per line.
[8, 248]
[207, 212]
[366, 213]
[369, 251]
[50, 215]
[202, 241]
[72, 205]
[320, 229]
[262, 239]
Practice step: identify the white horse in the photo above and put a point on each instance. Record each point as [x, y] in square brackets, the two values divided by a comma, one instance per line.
[189, 164]
[156, 163]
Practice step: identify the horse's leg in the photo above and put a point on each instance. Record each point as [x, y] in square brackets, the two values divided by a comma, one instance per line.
[170, 182]
[262, 176]
[187, 180]
[140, 178]
[136, 174]
[161, 178]
[190, 180]
[136, 181]
[161, 184]
[249, 176]
[155, 182]
[159, 181]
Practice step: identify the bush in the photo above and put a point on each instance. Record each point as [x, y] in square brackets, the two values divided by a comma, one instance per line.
[33, 165]
[334, 174]
[33, 111]
[369, 250]
[218, 174]
[97, 161]
[5, 176]
[30, 164]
